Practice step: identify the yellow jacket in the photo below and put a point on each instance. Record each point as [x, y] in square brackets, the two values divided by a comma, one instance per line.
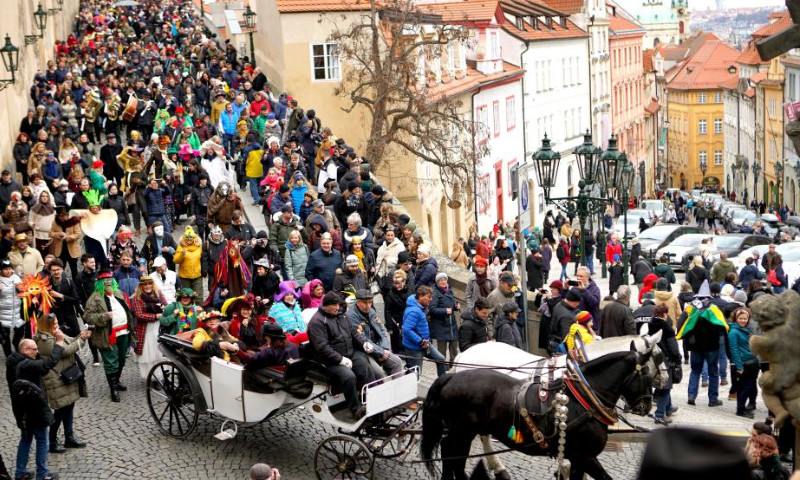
[253, 167]
[201, 337]
[190, 259]
[575, 330]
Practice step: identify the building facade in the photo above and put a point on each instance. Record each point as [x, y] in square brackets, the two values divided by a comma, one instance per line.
[665, 21]
[791, 97]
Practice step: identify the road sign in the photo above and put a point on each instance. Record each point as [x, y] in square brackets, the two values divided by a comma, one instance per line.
[524, 200]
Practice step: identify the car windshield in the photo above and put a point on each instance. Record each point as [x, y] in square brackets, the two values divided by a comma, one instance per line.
[656, 205]
[742, 213]
[659, 232]
[691, 240]
[727, 241]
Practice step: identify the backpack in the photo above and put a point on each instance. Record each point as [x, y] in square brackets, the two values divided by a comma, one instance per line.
[772, 278]
[26, 398]
[560, 252]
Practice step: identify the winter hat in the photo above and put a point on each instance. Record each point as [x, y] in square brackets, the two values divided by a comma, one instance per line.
[583, 317]
[649, 295]
[573, 295]
[284, 188]
[352, 186]
[351, 260]
[662, 285]
[403, 257]
[317, 203]
[262, 234]
[715, 288]
[557, 284]
[331, 298]
[159, 262]
[481, 262]
[616, 257]
[441, 276]
[727, 290]
[403, 219]
[286, 287]
[271, 116]
[740, 296]
[378, 191]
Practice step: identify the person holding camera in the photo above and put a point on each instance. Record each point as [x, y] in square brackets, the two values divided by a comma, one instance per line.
[64, 383]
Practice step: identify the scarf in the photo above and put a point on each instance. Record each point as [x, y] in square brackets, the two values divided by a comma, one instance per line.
[186, 318]
[360, 255]
[445, 289]
[43, 209]
[483, 284]
[711, 314]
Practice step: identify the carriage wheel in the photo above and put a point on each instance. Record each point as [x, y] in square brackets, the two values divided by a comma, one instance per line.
[343, 457]
[379, 441]
[170, 399]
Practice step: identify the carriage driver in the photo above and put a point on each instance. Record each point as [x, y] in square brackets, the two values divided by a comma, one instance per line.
[335, 342]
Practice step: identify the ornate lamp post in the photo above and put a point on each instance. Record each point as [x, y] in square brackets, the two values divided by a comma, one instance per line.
[779, 176]
[703, 169]
[589, 165]
[745, 167]
[10, 54]
[756, 173]
[40, 21]
[53, 11]
[625, 182]
[250, 21]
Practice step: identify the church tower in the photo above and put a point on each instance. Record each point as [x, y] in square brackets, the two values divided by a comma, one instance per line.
[681, 10]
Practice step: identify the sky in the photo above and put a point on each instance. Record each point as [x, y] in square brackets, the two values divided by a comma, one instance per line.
[705, 4]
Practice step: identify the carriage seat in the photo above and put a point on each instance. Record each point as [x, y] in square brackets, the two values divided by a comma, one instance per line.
[182, 347]
[316, 370]
[290, 377]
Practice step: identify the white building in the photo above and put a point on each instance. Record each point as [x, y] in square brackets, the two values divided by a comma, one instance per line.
[740, 134]
[791, 96]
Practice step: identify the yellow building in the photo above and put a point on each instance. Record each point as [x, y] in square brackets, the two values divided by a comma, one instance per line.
[769, 134]
[696, 115]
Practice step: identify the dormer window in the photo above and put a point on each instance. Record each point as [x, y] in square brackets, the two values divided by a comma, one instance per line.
[518, 21]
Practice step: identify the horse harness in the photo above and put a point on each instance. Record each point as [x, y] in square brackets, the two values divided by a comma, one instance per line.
[541, 390]
[583, 392]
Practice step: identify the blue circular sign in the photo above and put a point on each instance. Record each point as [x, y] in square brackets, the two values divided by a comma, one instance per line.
[523, 194]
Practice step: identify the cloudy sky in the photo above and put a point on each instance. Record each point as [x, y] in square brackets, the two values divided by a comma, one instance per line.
[704, 4]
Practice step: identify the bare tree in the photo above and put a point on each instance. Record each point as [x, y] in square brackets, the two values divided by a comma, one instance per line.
[389, 52]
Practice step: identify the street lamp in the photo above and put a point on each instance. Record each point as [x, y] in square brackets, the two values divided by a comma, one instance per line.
[250, 21]
[779, 176]
[40, 21]
[53, 11]
[756, 173]
[583, 205]
[703, 169]
[10, 54]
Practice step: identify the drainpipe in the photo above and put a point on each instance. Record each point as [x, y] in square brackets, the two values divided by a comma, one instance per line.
[474, 163]
[524, 124]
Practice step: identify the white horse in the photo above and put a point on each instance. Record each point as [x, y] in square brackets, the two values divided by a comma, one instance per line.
[523, 365]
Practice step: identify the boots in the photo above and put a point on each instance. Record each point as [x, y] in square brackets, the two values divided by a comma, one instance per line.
[56, 447]
[112, 384]
[120, 386]
[71, 441]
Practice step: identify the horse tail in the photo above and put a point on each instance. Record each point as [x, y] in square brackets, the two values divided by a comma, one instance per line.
[432, 423]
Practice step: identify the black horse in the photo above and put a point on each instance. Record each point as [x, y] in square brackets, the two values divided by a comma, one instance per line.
[463, 405]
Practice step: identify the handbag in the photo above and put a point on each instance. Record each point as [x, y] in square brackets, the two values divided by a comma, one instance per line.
[677, 372]
[71, 374]
[772, 278]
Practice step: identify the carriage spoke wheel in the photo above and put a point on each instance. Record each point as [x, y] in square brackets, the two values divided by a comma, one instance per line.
[343, 457]
[170, 399]
[379, 441]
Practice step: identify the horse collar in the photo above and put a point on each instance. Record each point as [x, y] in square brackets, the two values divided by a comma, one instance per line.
[587, 398]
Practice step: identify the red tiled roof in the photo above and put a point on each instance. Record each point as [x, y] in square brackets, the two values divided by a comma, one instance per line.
[622, 26]
[464, 10]
[795, 62]
[303, 6]
[570, 7]
[647, 60]
[544, 33]
[652, 107]
[782, 23]
[750, 55]
[472, 81]
[731, 83]
[759, 77]
[750, 92]
[707, 68]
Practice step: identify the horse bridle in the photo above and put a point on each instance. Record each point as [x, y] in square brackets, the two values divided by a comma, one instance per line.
[640, 407]
[591, 401]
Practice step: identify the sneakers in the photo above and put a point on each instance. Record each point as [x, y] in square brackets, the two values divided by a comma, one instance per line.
[662, 421]
[704, 384]
[724, 382]
[715, 403]
[690, 401]
[672, 411]
[746, 414]
[50, 476]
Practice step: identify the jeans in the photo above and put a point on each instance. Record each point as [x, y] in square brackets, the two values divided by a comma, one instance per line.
[746, 387]
[254, 188]
[778, 290]
[696, 359]
[24, 451]
[432, 353]
[227, 144]
[563, 271]
[590, 263]
[723, 362]
[161, 218]
[663, 402]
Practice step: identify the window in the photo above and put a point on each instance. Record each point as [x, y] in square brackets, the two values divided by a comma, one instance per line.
[482, 115]
[703, 127]
[511, 113]
[791, 87]
[772, 107]
[703, 157]
[494, 45]
[702, 98]
[325, 62]
[718, 157]
[718, 97]
[496, 118]
[717, 125]
[565, 72]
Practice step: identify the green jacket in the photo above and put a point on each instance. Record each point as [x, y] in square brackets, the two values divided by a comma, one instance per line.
[171, 317]
[59, 394]
[258, 126]
[96, 313]
[721, 269]
[663, 270]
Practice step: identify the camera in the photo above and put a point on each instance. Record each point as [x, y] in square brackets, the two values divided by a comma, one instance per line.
[573, 283]
[91, 328]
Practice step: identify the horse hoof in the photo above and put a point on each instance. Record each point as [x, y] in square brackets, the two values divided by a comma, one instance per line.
[502, 475]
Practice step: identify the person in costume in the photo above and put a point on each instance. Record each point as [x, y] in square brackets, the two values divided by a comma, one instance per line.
[265, 284]
[164, 278]
[159, 244]
[213, 339]
[189, 255]
[131, 162]
[161, 121]
[108, 309]
[212, 248]
[244, 324]
[181, 316]
[96, 179]
[232, 270]
[286, 310]
[123, 241]
[154, 168]
[97, 224]
[147, 304]
[186, 137]
[214, 163]
[277, 351]
[702, 325]
[222, 204]
[37, 300]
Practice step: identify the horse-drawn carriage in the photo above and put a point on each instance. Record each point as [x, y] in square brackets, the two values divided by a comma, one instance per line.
[187, 383]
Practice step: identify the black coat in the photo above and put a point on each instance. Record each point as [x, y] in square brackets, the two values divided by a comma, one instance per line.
[534, 268]
[472, 332]
[150, 250]
[18, 366]
[65, 308]
[640, 269]
[117, 203]
[506, 331]
[704, 337]
[636, 252]
[615, 278]
[443, 326]
[333, 337]
[696, 276]
[394, 307]
[616, 320]
[563, 318]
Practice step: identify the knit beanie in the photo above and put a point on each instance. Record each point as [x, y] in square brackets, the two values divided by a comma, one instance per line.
[583, 317]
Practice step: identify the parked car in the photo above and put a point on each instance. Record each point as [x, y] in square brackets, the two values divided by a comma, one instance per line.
[655, 238]
[657, 206]
[648, 215]
[739, 216]
[676, 249]
[733, 244]
[740, 260]
[632, 226]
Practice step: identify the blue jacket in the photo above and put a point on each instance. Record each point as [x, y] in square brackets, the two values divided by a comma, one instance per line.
[280, 109]
[228, 122]
[155, 201]
[426, 272]
[415, 325]
[278, 202]
[748, 274]
[323, 266]
[297, 197]
[739, 340]
[127, 279]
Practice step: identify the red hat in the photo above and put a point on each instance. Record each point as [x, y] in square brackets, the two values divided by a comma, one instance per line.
[481, 262]
[97, 164]
[583, 317]
[180, 110]
[557, 284]
[105, 273]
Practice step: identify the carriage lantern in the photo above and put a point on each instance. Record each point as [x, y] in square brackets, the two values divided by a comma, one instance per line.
[612, 162]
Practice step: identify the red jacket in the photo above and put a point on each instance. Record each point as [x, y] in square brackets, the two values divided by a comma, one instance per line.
[483, 249]
[613, 249]
[564, 246]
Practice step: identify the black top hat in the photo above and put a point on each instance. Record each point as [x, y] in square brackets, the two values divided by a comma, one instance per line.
[272, 330]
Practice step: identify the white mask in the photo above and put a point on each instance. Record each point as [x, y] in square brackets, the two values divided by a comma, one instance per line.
[159, 231]
[224, 188]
